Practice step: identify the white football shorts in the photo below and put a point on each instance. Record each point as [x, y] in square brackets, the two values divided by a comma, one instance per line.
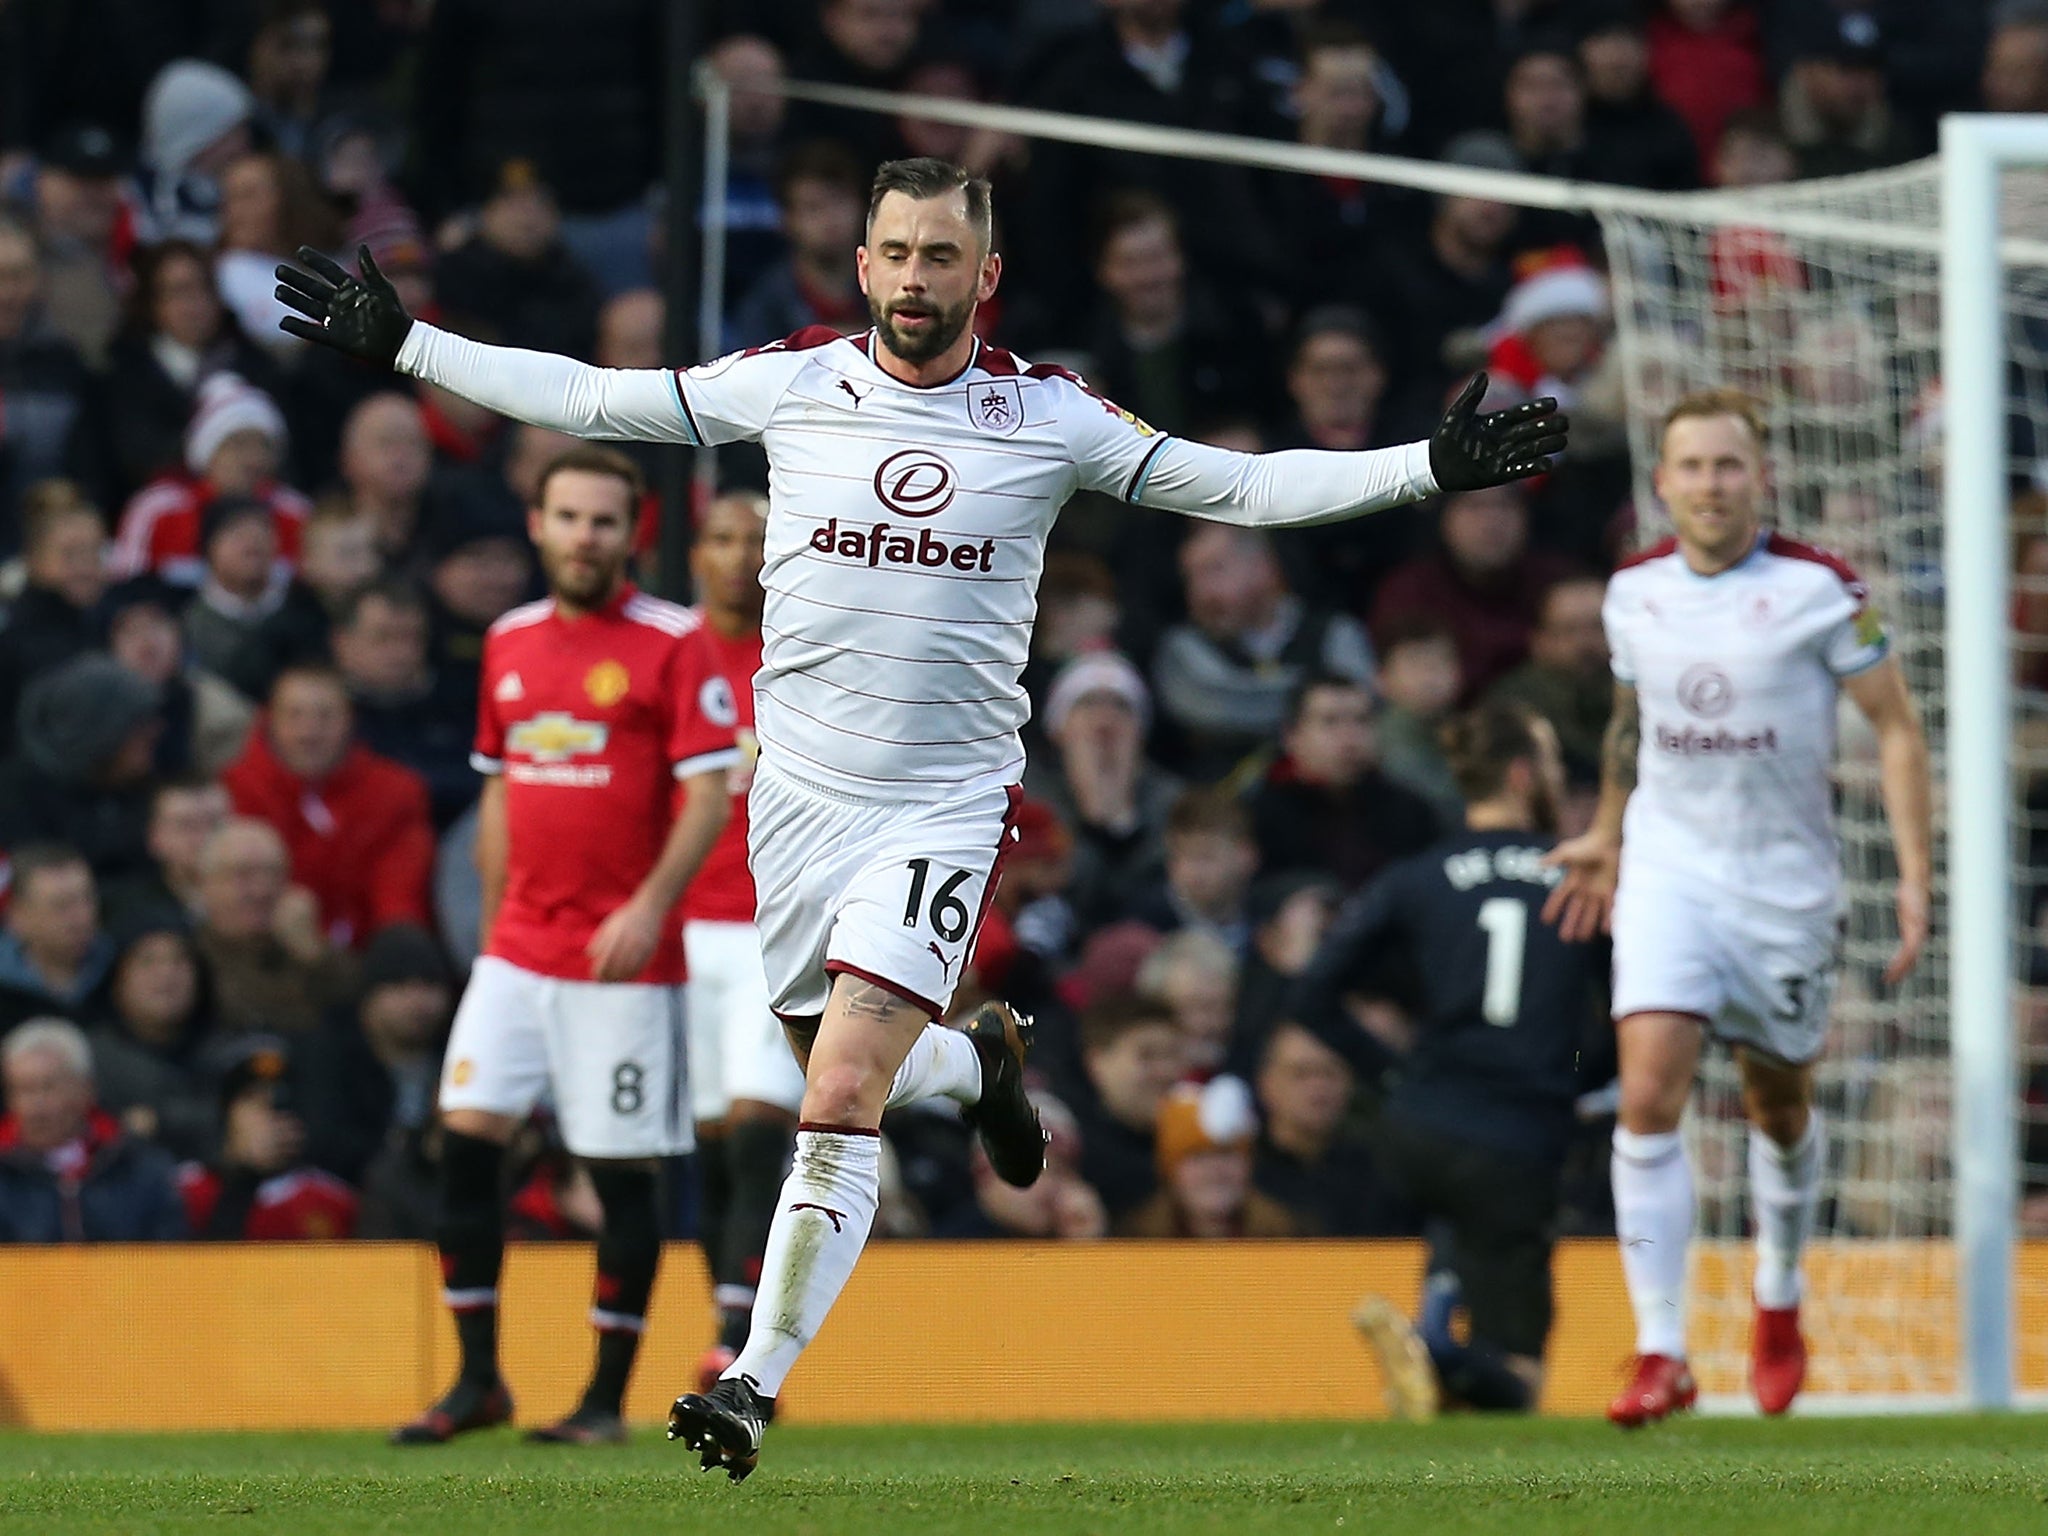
[737, 1049]
[1757, 975]
[608, 1054]
[889, 891]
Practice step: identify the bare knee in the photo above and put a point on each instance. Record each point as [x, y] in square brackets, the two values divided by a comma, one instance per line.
[1659, 1055]
[1778, 1099]
[844, 1093]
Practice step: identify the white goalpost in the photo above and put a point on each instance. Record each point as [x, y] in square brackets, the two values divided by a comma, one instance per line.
[1895, 326]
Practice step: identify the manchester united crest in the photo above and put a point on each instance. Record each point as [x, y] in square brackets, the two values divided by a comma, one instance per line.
[607, 683]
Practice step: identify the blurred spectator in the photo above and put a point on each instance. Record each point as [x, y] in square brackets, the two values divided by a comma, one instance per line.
[205, 721]
[822, 192]
[84, 61]
[1060, 1207]
[337, 559]
[1328, 224]
[1289, 913]
[478, 566]
[270, 208]
[79, 220]
[1644, 142]
[1079, 611]
[1552, 332]
[370, 1073]
[1131, 1054]
[1224, 676]
[385, 457]
[64, 546]
[195, 124]
[68, 1173]
[380, 649]
[516, 275]
[1325, 804]
[53, 953]
[1707, 62]
[184, 813]
[1210, 860]
[1305, 1160]
[1097, 778]
[1205, 1140]
[287, 71]
[1163, 346]
[1753, 152]
[150, 1048]
[2015, 77]
[257, 1185]
[752, 69]
[174, 334]
[1194, 974]
[577, 91]
[355, 824]
[1433, 295]
[1482, 581]
[1833, 96]
[273, 968]
[84, 749]
[1337, 381]
[1027, 924]
[49, 428]
[241, 585]
[1419, 683]
[1566, 678]
[234, 448]
[854, 42]
[1545, 105]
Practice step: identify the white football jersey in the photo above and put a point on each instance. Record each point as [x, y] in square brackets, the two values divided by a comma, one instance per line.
[1737, 675]
[907, 525]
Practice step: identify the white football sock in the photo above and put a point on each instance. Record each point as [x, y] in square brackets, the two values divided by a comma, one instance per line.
[1653, 1218]
[821, 1224]
[941, 1065]
[1784, 1186]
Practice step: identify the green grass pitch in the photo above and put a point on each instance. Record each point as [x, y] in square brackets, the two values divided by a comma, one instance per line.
[1859, 1477]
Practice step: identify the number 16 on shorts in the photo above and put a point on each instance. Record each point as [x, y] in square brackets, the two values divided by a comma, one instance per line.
[947, 915]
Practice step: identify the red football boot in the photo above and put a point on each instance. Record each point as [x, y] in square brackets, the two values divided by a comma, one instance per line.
[1659, 1387]
[1777, 1358]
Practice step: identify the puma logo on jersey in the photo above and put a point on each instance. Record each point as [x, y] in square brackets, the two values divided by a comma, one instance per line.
[510, 689]
[945, 965]
[854, 392]
[838, 1218]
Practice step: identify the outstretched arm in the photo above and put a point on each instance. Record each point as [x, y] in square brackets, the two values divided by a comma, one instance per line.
[1302, 487]
[362, 316]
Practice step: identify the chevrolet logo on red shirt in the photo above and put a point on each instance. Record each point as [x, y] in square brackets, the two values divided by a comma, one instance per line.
[556, 737]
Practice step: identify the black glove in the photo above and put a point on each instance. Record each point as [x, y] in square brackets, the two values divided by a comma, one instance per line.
[1470, 451]
[357, 315]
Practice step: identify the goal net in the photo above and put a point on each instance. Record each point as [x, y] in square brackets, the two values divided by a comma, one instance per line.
[1823, 299]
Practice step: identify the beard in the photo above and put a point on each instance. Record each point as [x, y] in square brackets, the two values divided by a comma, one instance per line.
[920, 346]
[581, 586]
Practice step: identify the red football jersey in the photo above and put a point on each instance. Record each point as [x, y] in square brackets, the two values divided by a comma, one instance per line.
[723, 891]
[592, 720]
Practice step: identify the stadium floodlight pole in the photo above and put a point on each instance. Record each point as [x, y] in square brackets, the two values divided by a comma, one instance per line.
[1982, 997]
[681, 164]
[716, 95]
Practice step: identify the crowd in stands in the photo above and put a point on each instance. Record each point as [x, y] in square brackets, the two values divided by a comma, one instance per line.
[248, 581]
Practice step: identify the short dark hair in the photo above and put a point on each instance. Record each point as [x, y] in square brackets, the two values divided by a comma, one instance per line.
[313, 669]
[927, 177]
[393, 591]
[1110, 1018]
[1208, 810]
[591, 459]
[823, 160]
[33, 859]
[1130, 208]
[1484, 742]
[47, 505]
[1342, 320]
[1312, 683]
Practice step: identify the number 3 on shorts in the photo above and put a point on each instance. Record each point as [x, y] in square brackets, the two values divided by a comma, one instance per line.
[949, 915]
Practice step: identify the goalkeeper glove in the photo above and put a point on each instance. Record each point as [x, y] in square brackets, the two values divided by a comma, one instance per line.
[357, 315]
[1470, 450]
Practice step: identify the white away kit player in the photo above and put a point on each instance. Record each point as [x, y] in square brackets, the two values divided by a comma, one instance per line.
[1713, 860]
[915, 472]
